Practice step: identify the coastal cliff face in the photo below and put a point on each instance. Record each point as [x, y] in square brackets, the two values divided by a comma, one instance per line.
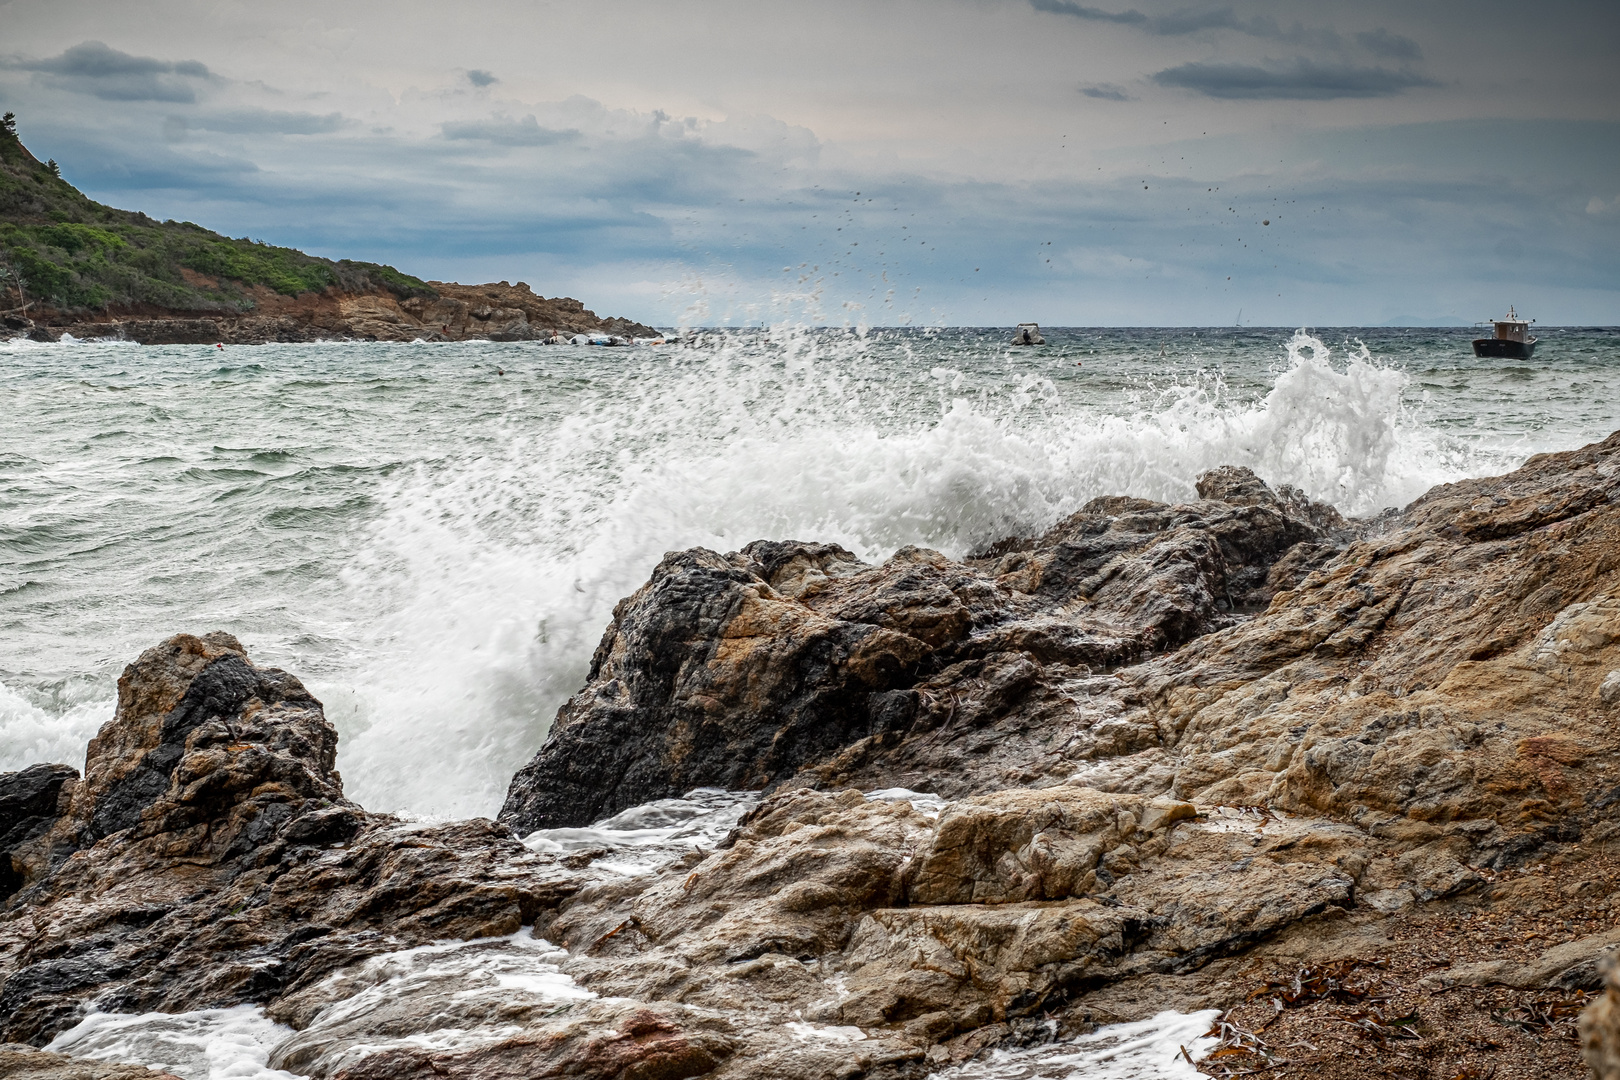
[1238, 753]
[450, 312]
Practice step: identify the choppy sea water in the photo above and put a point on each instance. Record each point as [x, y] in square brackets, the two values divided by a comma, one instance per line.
[435, 547]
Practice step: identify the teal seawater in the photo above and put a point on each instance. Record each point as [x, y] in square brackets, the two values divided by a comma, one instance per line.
[434, 536]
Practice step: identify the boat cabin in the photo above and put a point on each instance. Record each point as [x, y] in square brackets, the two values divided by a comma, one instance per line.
[1512, 338]
[1512, 328]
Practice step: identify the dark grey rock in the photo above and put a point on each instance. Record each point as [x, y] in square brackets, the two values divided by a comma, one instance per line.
[741, 670]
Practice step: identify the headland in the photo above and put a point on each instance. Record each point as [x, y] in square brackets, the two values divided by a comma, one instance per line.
[71, 265]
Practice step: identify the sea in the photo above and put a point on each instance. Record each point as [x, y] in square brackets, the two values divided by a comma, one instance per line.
[433, 536]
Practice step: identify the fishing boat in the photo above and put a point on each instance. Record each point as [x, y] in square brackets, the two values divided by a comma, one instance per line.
[1511, 340]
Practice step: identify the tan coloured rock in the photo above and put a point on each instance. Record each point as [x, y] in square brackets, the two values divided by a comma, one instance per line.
[1600, 1029]
[22, 1062]
[1043, 844]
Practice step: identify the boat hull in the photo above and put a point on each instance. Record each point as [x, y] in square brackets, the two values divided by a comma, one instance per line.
[1511, 350]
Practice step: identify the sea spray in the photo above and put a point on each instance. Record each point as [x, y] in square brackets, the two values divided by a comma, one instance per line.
[31, 734]
[497, 572]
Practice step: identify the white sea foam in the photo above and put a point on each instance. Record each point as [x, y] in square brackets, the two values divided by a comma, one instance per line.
[442, 581]
[1154, 1049]
[208, 1044]
[925, 803]
[30, 734]
[468, 987]
[824, 1033]
[455, 982]
[645, 837]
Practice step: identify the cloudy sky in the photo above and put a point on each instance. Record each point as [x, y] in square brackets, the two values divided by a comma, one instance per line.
[1112, 162]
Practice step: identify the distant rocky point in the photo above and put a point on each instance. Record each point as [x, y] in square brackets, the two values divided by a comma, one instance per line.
[71, 265]
[448, 312]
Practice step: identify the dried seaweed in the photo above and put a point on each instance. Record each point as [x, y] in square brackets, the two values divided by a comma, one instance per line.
[1546, 1015]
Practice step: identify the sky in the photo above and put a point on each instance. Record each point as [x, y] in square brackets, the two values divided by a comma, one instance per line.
[882, 162]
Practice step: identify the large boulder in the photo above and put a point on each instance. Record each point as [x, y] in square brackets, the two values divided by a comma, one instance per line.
[30, 803]
[710, 675]
[740, 670]
[209, 857]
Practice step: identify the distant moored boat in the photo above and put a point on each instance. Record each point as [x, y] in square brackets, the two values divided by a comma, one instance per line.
[1512, 338]
[1028, 333]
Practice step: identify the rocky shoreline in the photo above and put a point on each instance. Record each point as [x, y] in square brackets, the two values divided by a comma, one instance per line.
[493, 312]
[1354, 783]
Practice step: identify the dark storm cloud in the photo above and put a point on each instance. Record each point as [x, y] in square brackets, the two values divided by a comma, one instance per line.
[1187, 21]
[1106, 92]
[1304, 80]
[1381, 42]
[481, 78]
[504, 132]
[1192, 21]
[104, 72]
[258, 122]
[1079, 11]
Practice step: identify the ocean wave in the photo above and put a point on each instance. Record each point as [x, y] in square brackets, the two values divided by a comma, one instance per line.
[494, 574]
[31, 734]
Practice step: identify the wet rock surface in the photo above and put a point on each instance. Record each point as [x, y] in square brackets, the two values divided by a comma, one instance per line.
[19, 1061]
[1174, 754]
[740, 670]
[208, 856]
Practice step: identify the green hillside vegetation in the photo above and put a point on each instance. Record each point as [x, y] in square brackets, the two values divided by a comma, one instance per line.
[64, 250]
